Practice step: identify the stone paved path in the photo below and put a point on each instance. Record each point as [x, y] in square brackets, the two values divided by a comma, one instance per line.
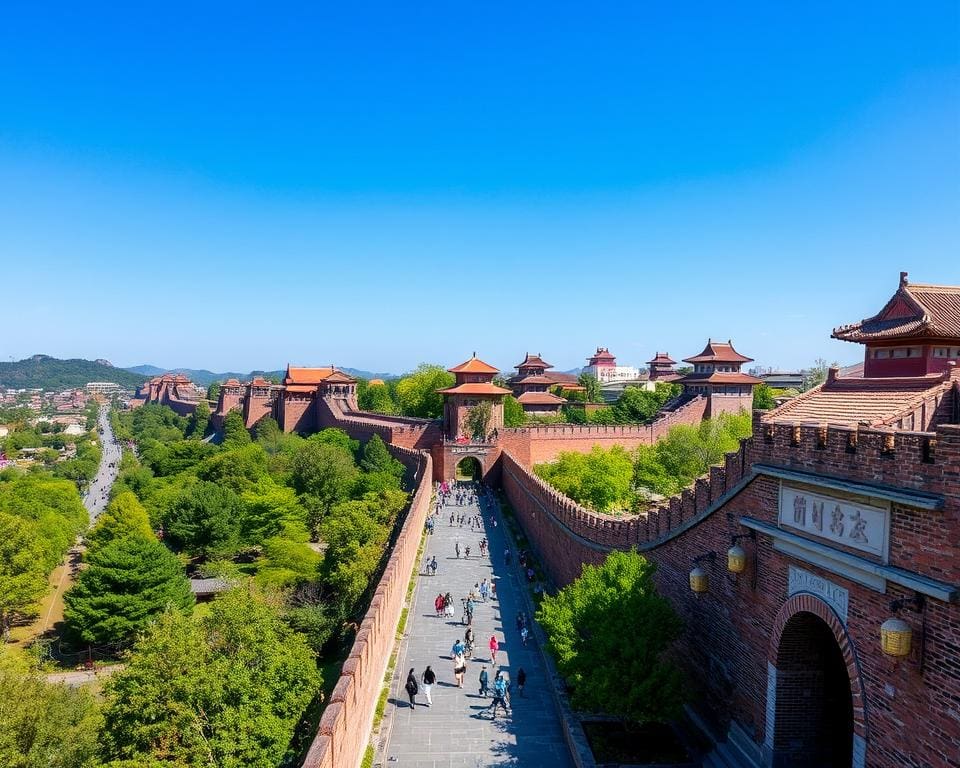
[457, 732]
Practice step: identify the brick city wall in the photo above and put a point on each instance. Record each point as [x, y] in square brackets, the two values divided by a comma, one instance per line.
[344, 729]
[537, 444]
[257, 406]
[907, 718]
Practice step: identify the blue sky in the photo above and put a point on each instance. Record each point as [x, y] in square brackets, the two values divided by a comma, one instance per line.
[375, 185]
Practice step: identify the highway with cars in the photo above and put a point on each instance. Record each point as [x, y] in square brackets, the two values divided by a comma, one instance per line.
[98, 493]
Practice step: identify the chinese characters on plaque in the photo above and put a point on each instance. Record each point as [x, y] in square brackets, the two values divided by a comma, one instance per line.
[853, 524]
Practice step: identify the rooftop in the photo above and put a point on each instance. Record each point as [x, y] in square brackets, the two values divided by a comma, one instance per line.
[718, 352]
[661, 358]
[307, 375]
[475, 388]
[533, 361]
[473, 365]
[915, 310]
[856, 400]
[540, 398]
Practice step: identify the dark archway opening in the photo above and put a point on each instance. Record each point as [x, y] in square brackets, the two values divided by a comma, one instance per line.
[814, 710]
[469, 469]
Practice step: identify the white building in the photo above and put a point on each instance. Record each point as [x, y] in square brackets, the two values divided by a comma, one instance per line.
[604, 367]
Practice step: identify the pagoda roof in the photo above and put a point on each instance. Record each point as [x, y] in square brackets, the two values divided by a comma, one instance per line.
[231, 383]
[473, 365]
[602, 353]
[540, 398]
[475, 388]
[301, 387]
[307, 375]
[533, 361]
[718, 352]
[856, 400]
[662, 358]
[718, 377]
[260, 381]
[534, 379]
[915, 310]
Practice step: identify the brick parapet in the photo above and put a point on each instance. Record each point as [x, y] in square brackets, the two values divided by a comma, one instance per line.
[344, 729]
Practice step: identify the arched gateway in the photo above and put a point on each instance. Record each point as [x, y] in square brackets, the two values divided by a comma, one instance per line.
[469, 469]
[813, 683]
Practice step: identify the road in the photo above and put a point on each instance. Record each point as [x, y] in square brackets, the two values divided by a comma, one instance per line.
[99, 491]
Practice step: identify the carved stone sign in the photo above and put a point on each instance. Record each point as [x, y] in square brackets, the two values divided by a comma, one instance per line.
[466, 449]
[838, 598]
[842, 521]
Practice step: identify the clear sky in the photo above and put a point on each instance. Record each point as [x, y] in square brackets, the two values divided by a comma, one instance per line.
[379, 184]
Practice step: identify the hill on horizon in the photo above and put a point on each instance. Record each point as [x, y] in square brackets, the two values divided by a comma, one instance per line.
[51, 373]
[204, 378]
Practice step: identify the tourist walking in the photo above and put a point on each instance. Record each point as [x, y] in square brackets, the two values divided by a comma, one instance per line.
[429, 678]
[412, 689]
[499, 696]
[433, 566]
[484, 682]
[459, 668]
[456, 548]
[438, 604]
[494, 647]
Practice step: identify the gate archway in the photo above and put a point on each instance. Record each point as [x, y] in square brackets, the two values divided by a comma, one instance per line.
[817, 683]
[469, 468]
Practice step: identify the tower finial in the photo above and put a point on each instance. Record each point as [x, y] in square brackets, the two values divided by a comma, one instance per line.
[903, 279]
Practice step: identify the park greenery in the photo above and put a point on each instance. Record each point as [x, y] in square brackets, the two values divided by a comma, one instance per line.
[297, 529]
[618, 480]
[609, 633]
[40, 517]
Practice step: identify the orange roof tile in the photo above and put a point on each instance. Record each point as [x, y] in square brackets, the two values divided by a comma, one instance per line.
[718, 352]
[473, 365]
[475, 388]
[915, 310]
[540, 398]
[854, 400]
[307, 375]
[301, 387]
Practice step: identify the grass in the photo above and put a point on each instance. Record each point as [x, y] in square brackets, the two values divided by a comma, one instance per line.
[368, 757]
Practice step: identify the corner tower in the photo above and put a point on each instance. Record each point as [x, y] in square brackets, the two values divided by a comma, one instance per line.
[716, 375]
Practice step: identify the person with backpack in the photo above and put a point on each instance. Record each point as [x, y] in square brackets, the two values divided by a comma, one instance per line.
[484, 682]
[499, 696]
[412, 689]
[429, 677]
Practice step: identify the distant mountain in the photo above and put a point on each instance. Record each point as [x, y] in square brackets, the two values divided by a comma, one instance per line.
[53, 374]
[205, 378]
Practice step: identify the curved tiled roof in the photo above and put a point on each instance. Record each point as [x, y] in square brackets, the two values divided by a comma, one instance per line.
[915, 310]
[718, 352]
[716, 377]
[540, 398]
[533, 361]
[473, 365]
[475, 388]
[307, 375]
[661, 358]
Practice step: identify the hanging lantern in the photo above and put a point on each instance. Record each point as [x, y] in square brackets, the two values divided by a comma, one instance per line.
[736, 559]
[699, 581]
[895, 637]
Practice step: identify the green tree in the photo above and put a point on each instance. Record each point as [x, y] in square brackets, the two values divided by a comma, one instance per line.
[376, 397]
[23, 575]
[126, 584]
[591, 385]
[327, 474]
[763, 397]
[477, 421]
[199, 420]
[236, 468]
[267, 508]
[817, 374]
[44, 725]
[203, 520]
[213, 391]
[608, 632]
[227, 690]
[234, 431]
[601, 479]
[417, 392]
[513, 414]
[123, 517]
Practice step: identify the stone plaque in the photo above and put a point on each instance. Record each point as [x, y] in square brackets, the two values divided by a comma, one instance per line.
[836, 519]
[838, 598]
[467, 449]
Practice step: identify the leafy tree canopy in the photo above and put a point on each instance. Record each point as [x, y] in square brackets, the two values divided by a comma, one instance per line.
[601, 479]
[608, 632]
[203, 520]
[234, 430]
[227, 690]
[126, 584]
[124, 517]
[417, 392]
[513, 414]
